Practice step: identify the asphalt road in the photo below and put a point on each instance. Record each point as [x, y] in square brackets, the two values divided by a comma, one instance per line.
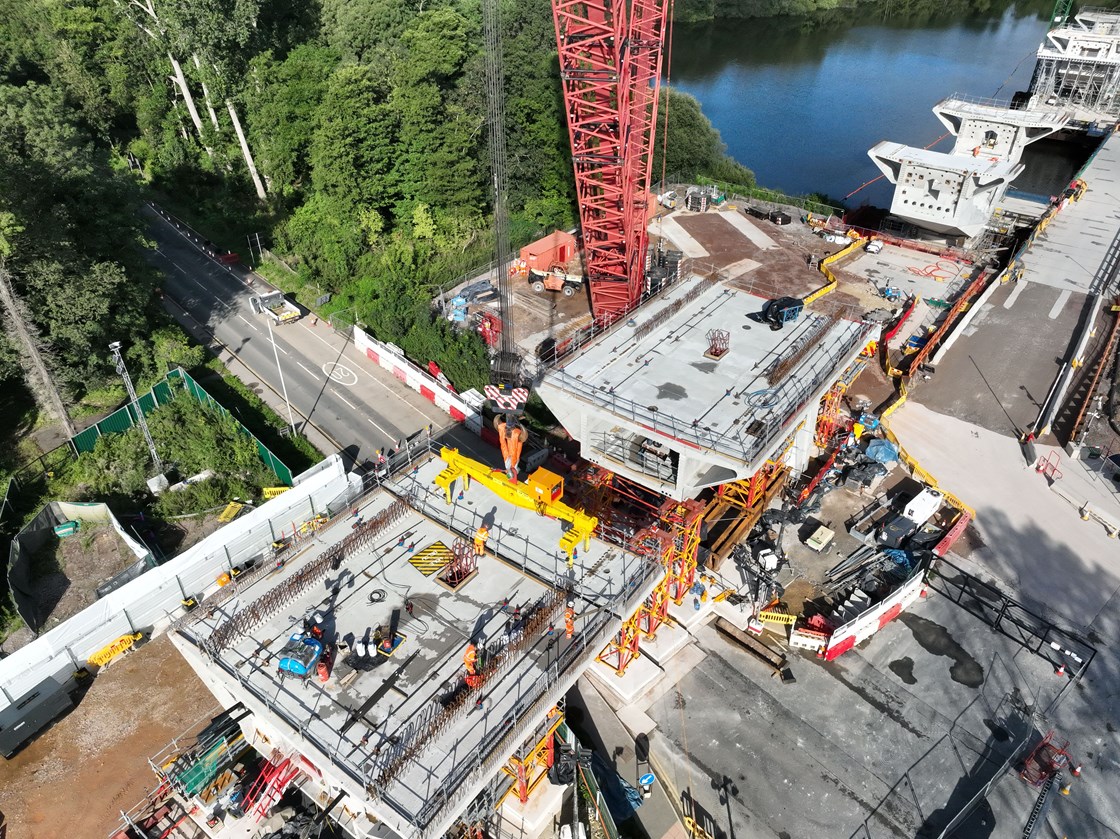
[340, 400]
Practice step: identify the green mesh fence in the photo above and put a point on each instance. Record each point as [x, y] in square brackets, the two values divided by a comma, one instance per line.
[199, 392]
[161, 394]
[122, 419]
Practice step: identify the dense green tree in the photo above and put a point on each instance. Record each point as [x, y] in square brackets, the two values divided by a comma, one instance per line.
[689, 145]
[354, 151]
[283, 118]
[367, 31]
[10, 368]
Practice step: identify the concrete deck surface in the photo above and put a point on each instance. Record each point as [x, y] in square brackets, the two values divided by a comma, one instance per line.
[875, 744]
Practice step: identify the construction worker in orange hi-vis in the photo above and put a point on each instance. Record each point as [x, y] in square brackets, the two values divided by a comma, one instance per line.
[480, 537]
[470, 658]
[569, 620]
[512, 437]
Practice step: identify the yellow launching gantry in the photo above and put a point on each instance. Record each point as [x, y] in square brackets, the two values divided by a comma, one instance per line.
[541, 493]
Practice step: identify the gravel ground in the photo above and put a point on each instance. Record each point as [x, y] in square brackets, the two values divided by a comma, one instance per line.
[76, 777]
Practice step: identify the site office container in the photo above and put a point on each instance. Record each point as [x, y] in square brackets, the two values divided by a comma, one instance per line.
[558, 247]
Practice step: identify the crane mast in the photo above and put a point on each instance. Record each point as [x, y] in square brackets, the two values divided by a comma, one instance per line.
[610, 69]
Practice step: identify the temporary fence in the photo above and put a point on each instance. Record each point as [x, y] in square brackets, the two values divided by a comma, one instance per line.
[153, 600]
[161, 393]
[462, 408]
[124, 418]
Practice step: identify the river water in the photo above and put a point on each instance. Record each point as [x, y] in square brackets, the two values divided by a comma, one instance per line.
[801, 101]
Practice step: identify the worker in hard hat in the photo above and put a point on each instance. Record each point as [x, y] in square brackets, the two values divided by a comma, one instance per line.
[480, 537]
[470, 659]
[511, 436]
[570, 620]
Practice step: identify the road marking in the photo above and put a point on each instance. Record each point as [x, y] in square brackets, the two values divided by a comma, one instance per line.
[247, 323]
[379, 428]
[186, 274]
[373, 378]
[312, 372]
[1056, 309]
[341, 373]
[1014, 295]
[344, 399]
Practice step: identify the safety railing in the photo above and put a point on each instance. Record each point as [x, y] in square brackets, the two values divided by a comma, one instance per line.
[792, 393]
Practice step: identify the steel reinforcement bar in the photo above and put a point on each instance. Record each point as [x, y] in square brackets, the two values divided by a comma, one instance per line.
[272, 601]
[442, 714]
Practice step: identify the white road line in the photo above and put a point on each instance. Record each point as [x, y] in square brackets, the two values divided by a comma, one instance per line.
[1060, 303]
[1014, 295]
[247, 323]
[372, 378]
[379, 428]
[187, 274]
[344, 399]
[312, 372]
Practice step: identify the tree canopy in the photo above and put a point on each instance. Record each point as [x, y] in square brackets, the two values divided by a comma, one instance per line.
[361, 122]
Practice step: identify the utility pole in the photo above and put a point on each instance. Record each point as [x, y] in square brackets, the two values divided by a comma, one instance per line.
[115, 348]
[38, 377]
[280, 370]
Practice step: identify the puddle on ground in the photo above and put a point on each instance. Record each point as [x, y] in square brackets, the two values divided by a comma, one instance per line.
[904, 669]
[935, 639]
[669, 390]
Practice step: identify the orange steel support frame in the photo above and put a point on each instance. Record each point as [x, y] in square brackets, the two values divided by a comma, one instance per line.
[675, 540]
[610, 70]
[529, 771]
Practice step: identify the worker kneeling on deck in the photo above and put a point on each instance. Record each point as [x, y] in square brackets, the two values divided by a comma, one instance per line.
[480, 537]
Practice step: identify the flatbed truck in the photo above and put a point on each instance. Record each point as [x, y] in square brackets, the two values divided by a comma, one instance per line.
[276, 306]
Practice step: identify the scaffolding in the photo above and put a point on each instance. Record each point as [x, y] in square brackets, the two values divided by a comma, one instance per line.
[269, 787]
[527, 772]
[204, 768]
[828, 419]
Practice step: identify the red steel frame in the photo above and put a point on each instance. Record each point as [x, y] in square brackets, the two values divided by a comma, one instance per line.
[610, 69]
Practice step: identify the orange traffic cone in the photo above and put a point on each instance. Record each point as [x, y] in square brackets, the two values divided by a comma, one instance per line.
[1076, 771]
[1061, 671]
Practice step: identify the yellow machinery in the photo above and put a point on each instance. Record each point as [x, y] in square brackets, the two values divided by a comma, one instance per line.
[529, 771]
[541, 493]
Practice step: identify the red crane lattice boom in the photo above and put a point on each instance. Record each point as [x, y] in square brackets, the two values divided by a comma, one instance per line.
[610, 69]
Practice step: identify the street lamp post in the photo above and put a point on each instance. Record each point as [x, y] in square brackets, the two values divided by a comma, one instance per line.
[280, 370]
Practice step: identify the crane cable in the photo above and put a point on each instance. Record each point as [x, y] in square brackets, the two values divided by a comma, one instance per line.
[665, 131]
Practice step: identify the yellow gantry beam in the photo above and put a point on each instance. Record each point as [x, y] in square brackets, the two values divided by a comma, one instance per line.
[461, 467]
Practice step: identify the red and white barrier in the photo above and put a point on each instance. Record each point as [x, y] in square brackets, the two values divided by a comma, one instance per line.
[868, 623]
[390, 358]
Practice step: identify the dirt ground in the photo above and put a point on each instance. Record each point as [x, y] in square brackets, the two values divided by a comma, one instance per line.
[73, 779]
[68, 571]
[783, 270]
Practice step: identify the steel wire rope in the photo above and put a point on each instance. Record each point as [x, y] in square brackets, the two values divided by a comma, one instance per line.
[665, 132]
